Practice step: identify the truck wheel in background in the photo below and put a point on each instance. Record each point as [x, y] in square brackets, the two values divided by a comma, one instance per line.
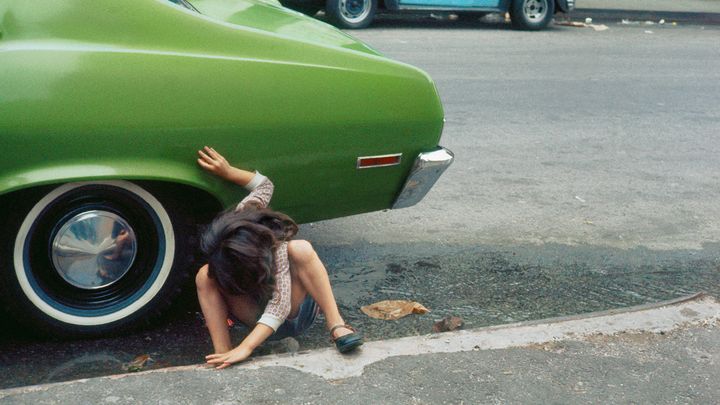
[531, 14]
[351, 13]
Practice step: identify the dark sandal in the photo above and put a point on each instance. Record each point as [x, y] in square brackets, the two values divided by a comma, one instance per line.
[346, 343]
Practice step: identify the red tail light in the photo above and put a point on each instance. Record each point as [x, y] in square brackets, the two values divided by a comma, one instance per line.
[367, 162]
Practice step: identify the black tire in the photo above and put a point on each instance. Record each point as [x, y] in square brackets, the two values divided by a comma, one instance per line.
[304, 7]
[87, 259]
[351, 14]
[532, 15]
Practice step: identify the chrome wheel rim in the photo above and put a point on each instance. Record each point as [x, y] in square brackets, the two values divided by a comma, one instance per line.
[94, 249]
[535, 10]
[355, 11]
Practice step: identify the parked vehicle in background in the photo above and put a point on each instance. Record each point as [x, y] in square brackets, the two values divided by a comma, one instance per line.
[104, 103]
[525, 14]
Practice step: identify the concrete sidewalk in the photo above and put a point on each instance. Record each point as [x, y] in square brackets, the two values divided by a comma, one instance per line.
[681, 11]
[664, 353]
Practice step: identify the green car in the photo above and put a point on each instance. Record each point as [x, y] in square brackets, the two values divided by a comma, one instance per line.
[104, 103]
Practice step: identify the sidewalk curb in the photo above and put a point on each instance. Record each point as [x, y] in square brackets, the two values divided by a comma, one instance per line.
[604, 15]
[661, 317]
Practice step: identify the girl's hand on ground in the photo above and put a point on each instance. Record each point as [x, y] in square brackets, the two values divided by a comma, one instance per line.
[214, 162]
[223, 360]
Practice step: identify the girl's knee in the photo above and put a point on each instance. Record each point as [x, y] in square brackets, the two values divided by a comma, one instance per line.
[301, 251]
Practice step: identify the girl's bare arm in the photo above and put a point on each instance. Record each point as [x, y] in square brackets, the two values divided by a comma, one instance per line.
[210, 160]
[258, 335]
[260, 187]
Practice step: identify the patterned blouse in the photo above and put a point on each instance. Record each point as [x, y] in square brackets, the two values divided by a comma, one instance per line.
[278, 308]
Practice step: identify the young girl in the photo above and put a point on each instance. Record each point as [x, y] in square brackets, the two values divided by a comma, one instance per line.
[272, 284]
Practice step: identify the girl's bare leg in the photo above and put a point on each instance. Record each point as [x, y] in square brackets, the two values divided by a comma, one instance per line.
[311, 272]
[214, 310]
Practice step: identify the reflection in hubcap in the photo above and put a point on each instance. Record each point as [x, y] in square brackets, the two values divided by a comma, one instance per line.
[94, 249]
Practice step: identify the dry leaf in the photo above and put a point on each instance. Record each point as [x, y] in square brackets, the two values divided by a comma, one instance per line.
[391, 310]
[138, 363]
[447, 324]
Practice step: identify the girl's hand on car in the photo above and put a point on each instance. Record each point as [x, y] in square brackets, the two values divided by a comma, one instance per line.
[214, 162]
[223, 360]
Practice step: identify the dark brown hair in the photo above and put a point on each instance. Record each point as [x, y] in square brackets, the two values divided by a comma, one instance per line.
[239, 247]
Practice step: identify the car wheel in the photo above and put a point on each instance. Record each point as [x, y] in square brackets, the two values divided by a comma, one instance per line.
[531, 14]
[90, 258]
[351, 13]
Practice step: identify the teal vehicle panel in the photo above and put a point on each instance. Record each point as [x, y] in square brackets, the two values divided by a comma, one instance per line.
[356, 14]
[491, 4]
[134, 93]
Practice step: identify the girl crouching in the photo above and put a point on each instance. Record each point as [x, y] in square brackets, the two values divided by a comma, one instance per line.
[254, 271]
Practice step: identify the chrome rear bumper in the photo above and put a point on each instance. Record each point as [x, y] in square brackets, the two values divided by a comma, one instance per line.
[427, 169]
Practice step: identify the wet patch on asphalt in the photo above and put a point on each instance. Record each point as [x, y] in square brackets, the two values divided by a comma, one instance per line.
[484, 285]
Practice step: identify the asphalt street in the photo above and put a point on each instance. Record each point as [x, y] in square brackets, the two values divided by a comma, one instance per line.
[585, 179]
[567, 136]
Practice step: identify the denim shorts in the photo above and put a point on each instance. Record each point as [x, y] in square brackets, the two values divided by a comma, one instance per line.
[305, 317]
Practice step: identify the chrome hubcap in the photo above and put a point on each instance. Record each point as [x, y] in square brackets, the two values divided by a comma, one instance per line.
[355, 10]
[535, 10]
[94, 249]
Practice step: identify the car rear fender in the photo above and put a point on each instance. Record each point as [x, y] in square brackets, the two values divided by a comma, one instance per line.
[161, 171]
